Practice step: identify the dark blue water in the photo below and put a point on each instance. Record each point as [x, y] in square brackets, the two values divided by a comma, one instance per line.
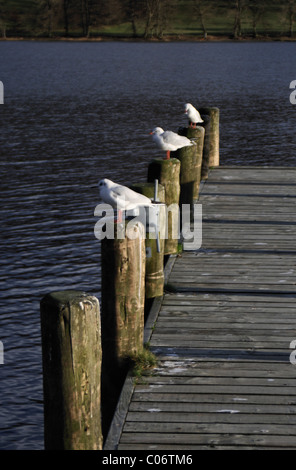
[78, 112]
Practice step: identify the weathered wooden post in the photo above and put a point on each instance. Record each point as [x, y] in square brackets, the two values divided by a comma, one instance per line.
[211, 140]
[123, 293]
[155, 243]
[148, 189]
[193, 165]
[71, 352]
[123, 304]
[154, 278]
[167, 172]
[188, 170]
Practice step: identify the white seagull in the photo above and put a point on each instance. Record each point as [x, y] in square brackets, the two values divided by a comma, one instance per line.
[169, 141]
[193, 115]
[120, 197]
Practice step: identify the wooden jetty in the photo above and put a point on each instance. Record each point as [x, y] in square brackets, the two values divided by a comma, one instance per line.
[223, 329]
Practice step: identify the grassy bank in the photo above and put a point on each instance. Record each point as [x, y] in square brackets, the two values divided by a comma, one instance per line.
[182, 37]
[151, 20]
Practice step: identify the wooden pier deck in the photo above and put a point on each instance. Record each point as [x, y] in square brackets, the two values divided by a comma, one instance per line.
[223, 329]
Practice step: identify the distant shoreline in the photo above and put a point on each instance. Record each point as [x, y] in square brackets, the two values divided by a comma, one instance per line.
[168, 38]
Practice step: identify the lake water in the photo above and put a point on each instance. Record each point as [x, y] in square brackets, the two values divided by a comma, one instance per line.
[77, 112]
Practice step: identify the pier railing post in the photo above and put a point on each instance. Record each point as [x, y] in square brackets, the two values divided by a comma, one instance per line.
[211, 140]
[71, 352]
[155, 243]
[123, 294]
[197, 134]
[123, 305]
[187, 157]
[167, 172]
[154, 277]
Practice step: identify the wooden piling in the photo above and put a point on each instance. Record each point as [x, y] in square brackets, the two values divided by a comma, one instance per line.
[154, 276]
[123, 308]
[197, 134]
[155, 243]
[211, 140]
[167, 172]
[148, 190]
[123, 294]
[71, 352]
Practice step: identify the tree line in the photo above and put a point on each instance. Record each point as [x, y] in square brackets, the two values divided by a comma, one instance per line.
[143, 18]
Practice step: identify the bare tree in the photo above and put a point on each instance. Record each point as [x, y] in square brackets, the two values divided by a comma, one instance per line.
[150, 12]
[66, 7]
[157, 17]
[91, 13]
[49, 14]
[133, 11]
[85, 7]
[291, 13]
[287, 15]
[239, 6]
[202, 9]
[3, 18]
[257, 10]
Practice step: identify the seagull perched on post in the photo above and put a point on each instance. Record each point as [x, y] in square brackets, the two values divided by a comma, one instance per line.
[121, 197]
[169, 141]
[193, 115]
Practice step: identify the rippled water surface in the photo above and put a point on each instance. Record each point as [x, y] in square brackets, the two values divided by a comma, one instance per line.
[77, 112]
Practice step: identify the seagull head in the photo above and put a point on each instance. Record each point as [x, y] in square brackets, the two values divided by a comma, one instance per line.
[105, 184]
[157, 131]
[187, 107]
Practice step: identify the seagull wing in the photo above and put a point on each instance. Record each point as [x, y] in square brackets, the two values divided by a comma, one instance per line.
[127, 198]
[176, 140]
[170, 137]
[196, 116]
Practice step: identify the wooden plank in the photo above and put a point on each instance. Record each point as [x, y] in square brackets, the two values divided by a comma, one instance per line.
[210, 439]
[220, 428]
[255, 300]
[153, 410]
[188, 276]
[207, 389]
[213, 399]
[189, 368]
[247, 302]
[157, 447]
[202, 328]
[228, 343]
[228, 380]
[228, 354]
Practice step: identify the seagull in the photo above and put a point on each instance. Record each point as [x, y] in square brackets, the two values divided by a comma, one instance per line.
[193, 115]
[169, 141]
[120, 197]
